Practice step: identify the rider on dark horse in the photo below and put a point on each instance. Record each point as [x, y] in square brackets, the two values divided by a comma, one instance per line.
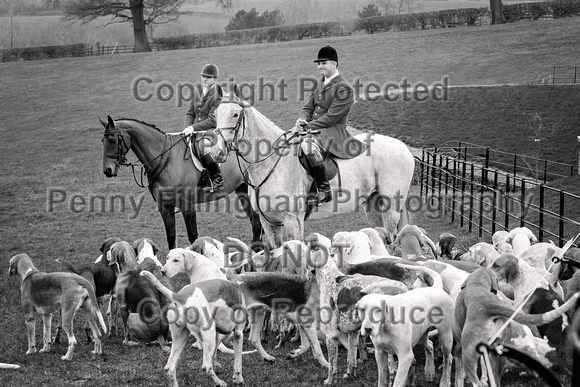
[200, 117]
[327, 110]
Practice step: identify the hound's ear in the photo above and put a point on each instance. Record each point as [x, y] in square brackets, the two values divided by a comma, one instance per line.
[155, 248]
[112, 257]
[104, 244]
[368, 239]
[111, 122]
[102, 122]
[188, 260]
[511, 270]
[494, 284]
[136, 246]
[197, 247]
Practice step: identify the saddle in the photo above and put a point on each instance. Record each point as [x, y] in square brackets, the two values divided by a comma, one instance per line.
[204, 179]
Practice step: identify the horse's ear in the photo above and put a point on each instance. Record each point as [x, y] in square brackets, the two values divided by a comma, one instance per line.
[111, 122]
[102, 122]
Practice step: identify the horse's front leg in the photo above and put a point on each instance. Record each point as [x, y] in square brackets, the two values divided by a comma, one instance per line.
[190, 219]
[168, 214]
[246, 204]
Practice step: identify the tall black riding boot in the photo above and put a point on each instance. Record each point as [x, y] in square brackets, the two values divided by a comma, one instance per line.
[215, 175]
[323, 186]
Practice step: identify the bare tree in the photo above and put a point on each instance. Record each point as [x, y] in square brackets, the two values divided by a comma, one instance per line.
[496, 8]
[140, 13]
[395, 7]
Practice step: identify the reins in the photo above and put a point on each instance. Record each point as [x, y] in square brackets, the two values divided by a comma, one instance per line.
[233, 145]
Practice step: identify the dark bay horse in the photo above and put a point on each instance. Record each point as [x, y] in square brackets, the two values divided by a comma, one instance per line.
[172, 177]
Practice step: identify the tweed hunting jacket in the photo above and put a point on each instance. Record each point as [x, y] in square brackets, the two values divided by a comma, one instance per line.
[201, 110]
[327, 109]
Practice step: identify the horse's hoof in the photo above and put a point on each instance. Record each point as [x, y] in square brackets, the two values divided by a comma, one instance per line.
[269, 360]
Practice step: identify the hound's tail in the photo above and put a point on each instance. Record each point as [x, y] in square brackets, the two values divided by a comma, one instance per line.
[87, 285]
[227, 350]
[544, 318]
[68, 266]
[6, 366]
[436, 278]
[162, 288]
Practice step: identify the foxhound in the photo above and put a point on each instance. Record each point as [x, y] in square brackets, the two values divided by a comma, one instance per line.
[146, 248]
[44, 293]
[199, 268]
[210, 310]
[481, 253]
[133, 295]
[396, 323]
[411, 240]
[521, 238]
[478, 315]
[102, 277]
[539, 296]
[338, 296]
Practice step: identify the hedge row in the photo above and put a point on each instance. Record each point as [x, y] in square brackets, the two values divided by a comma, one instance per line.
[556, 9]
[406, 22]
[44, 52]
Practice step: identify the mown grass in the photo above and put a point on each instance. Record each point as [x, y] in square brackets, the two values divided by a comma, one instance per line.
[51, 139]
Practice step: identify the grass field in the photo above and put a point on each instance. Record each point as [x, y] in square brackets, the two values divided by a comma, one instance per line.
[51, 139]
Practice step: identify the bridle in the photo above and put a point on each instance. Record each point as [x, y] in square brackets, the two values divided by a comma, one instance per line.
[233, 145]
[121, 160]
[119, 156]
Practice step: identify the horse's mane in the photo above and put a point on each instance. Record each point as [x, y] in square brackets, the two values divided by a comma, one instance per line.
[265, 120]
[141, 122]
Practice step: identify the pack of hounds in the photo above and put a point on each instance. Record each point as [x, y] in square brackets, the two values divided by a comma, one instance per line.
[339, 291]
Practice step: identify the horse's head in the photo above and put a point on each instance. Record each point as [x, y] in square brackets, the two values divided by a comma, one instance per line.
[116, 144]
[230, 119]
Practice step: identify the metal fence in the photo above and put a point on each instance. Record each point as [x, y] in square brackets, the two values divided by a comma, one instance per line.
[518, 165]
[486, 200]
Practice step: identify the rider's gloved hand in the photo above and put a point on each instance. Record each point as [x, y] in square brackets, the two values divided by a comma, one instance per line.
[188, 131]
[300, 123]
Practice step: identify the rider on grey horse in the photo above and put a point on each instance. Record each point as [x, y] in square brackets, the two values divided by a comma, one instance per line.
[200, 117]
[327, 110]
